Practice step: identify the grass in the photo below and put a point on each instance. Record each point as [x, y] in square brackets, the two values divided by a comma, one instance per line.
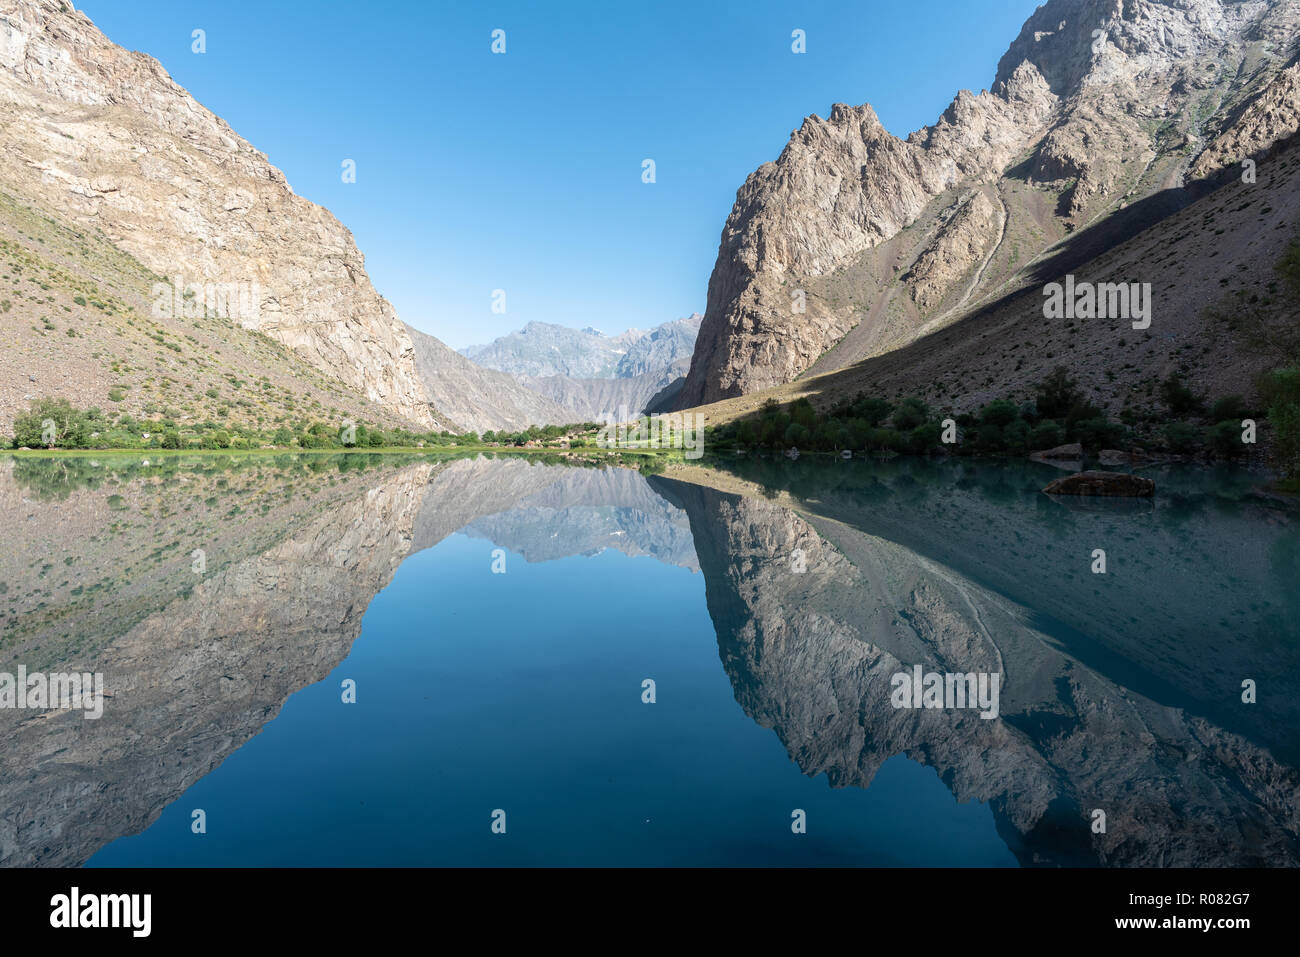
[447, 450]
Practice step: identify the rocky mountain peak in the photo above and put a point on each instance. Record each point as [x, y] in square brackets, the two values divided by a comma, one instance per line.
[1096, 105]
[104, 139]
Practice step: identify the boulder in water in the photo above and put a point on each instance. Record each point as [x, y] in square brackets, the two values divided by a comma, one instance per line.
[1111, 484]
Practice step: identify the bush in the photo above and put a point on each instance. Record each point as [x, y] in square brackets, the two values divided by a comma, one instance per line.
[1000, 413]
[1229, 408]
[1182, 438]
[989, 438]
[911, 412]
[1224, 439]
[1046, 435]
[1057, 395]
[171, 440]
[797, 435]
[874, 411]
[925, 438]
[1178, 398]
[1100, 433]
[1281, 391]
[1017, 437]
[71, 428]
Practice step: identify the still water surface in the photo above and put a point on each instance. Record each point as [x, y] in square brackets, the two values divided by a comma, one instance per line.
[771, 603]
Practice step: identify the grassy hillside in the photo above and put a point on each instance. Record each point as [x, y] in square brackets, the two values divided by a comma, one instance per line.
[77, 318]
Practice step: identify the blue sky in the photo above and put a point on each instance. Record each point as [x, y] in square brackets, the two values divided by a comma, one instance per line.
[522, 171]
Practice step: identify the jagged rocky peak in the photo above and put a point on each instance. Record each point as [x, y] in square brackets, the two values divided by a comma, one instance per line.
[1097, 104]
[103, 138]
[1074, 43]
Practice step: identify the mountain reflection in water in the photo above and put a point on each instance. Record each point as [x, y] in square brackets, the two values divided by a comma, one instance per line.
[1120, 693]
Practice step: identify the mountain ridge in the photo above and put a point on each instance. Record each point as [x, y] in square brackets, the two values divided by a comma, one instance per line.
[855, 243]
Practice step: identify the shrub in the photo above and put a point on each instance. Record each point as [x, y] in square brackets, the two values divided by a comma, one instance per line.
[1057, 395]
[989, 438]
[1047, 434]
[797, 435]
[1178, 398]
[1000, 413]
[71, 427]
[1182, 438]
[1017, 437]
[1281, 391]
[911, 412]
[1224, 439]
[925, 438]
[1229, 408]
[1100, 433]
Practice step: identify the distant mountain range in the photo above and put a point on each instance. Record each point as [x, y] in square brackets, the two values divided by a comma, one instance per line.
[1111, 146]
[591, 374]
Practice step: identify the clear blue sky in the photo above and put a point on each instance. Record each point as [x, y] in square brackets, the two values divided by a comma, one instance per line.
[522, 171]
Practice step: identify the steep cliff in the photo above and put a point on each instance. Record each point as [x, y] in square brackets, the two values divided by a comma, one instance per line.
[855, 242]
[104, 139]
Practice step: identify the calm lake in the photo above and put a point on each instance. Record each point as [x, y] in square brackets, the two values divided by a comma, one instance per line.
[390, 660]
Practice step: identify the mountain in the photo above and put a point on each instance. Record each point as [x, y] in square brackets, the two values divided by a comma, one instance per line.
[102, 141]
[593, 400]
[476, 398]
[543, 349]
[1103, 114]
[199, 665]
[77, 318]
[1081, 726]
[592, 374]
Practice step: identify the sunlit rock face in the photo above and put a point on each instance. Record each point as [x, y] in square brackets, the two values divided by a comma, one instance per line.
[104, 138]
[1096, 106]
[198, 662]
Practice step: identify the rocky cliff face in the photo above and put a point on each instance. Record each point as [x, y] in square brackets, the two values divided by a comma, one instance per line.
[103, 138]
[595, 400]
[198, 664]
[811, 655]
[858, 238]
[479, 399]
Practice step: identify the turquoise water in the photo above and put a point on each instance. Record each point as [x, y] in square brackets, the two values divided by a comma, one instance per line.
[523, 692]
[499, 617]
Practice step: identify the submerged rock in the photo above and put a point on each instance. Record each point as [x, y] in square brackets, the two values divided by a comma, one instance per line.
[1074, 451]
[1103, 483]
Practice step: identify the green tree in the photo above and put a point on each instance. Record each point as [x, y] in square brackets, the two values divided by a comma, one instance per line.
[1000, 412]
[911, 412]
[1229, 408]
[1178, 398]
[1056, 395]
[1182, 437]
[1047, 434]
[874, 411]
[1281, 391]
[1224, 439]
[68, 426]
